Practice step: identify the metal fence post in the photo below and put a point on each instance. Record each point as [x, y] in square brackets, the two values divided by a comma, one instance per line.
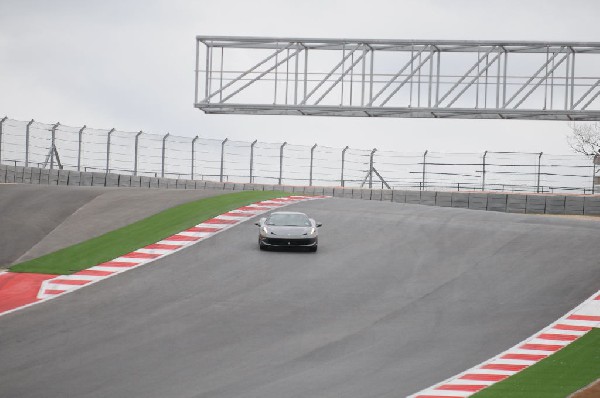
[343, 159]
[108, 149]
[164, 143]
[79, 141]
[1, 125]
[539, 169]
[54, 156]
[312, 153]
[281, 162]
[371, 168]
[53, 145]
[424, 170]
[222, 158]
[193, 156]
[135, 159]
[252, 160]
[196, 73]
[483, 172]
[594, 163]
[27, 143]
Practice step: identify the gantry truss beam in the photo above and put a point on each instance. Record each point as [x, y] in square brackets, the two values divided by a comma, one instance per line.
[398, 78]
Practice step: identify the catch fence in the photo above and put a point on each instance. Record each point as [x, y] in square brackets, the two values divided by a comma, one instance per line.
[31, 143]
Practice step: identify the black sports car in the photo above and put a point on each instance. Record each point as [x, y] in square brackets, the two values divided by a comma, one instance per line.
[288, 229]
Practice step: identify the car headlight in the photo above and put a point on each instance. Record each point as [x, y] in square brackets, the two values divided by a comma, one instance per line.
[313, 230]
[264, 230]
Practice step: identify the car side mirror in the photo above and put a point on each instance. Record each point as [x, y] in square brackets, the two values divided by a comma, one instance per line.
[257, 224]
[319, 224]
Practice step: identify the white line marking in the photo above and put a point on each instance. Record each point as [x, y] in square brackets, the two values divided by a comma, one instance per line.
[154, 251]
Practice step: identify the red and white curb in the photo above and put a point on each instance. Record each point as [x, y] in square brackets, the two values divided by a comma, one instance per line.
[530, 351]
[63, 284]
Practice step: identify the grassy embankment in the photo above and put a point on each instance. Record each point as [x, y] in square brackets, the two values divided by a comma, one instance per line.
[557, 376]
[139, 234]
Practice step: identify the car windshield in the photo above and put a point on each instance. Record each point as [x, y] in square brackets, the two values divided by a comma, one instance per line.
[288, 220]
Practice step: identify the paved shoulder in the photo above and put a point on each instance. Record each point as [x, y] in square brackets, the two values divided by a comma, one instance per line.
[37, 220]
[30, 212]
[113, 208]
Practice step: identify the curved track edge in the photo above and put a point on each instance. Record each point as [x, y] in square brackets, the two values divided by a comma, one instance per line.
[54, 286]
[549, 340]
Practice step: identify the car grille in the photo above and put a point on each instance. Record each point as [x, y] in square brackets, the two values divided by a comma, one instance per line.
[289, 242]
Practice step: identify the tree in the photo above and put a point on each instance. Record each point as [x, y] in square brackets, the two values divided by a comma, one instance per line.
[585, 138]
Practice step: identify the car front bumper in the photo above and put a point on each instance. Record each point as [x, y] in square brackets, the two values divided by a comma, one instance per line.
[288, 242]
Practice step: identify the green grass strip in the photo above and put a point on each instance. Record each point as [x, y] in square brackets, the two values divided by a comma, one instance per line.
[139, 234]
[557, 376]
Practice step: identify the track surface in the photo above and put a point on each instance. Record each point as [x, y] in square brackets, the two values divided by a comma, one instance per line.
[398, 297]
[37, 220]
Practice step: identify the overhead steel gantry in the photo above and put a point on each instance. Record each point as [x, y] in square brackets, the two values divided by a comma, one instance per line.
[398, 78]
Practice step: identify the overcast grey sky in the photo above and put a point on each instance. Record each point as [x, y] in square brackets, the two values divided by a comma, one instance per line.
[129, 64]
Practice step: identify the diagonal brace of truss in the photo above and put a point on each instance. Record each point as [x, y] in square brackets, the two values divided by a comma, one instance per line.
[590, 101]
[339, 79]
[586, 94]
[542, 80]
[393, 79]
[409, 77]
[471, 69]
[263, 74]
[246, 73]
[481, 72]
[545, 65]
[329, 74]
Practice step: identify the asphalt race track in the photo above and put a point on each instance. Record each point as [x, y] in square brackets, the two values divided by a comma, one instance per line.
[397, 298]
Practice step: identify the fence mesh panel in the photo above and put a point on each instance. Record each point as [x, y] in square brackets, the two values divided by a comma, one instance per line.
[108, 150]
